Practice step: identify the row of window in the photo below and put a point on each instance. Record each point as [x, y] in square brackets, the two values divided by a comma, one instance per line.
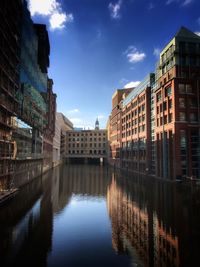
[168, 92]
[192, 102]
[164, 120]
[141, 142]
[133, 123]
[133, 113]
[163, 106]
[193, 117]
[86, 134]
[89, 145]
[100, 152]
[134, 131]
[194, 139]
[91, 139]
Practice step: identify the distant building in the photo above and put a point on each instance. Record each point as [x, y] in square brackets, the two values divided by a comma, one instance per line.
[135, 147]
[62, 125]
[115, 132]
[97, 124]
[86, 145]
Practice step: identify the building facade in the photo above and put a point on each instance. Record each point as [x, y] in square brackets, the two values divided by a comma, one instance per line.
[177, 107]
[157, 128]
[49, 131]
[115, 127]
[136, 138]
[62, 125]
[86, 145]
[24, 104]
[10, 36]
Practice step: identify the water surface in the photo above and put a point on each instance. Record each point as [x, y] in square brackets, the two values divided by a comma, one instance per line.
[87, 215]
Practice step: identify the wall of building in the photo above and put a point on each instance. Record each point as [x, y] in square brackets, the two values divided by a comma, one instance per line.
[27, 109]
[164, 141]
[10, 23]
[87, 144]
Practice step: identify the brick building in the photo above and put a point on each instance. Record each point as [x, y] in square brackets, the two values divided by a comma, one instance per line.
[177, 107]
[115, 124]
[157, 130]
[86, 145]
[136, 135]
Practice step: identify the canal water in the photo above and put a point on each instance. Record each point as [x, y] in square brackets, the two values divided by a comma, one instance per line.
[90, 216]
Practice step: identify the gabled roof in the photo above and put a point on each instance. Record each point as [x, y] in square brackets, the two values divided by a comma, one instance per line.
[184, 32]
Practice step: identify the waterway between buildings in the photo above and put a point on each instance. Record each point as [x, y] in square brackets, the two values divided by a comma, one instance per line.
[87, 215]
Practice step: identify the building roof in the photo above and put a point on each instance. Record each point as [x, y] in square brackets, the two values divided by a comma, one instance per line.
[148, 81]
[184, 32]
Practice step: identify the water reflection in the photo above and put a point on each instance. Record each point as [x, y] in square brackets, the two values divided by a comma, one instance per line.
[157, 221]
[81, 215]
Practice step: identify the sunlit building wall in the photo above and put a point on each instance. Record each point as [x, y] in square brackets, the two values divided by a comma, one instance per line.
[136, 135]
[177, 107]
[162, 139]
[115, 133]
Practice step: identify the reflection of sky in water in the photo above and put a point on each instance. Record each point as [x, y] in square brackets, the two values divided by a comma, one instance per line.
[82, 234]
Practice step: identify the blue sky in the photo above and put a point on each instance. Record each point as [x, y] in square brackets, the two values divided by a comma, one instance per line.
[98, 46]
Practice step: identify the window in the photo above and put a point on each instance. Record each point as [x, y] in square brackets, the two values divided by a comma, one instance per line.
[188, 88]
[158, 96]
[181, 88]
[182, 139]
[168, 91]
[182, 116]
[164, 105]
[143, 107]
[170, 117]
[185, 88]
[193, 116]
[165, 119]
[182, 102]
[170, 104]
[193, 102]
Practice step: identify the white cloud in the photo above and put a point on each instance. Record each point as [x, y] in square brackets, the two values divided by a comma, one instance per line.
[186, 2]
[197, 33]
[156, 52]
[182, 2]
[53, 10]
[75, 110]
[81, 123]
[100, 117]
[131, 84]
[43, 7]
[58, 20]
[115, 9]
[134, 55]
